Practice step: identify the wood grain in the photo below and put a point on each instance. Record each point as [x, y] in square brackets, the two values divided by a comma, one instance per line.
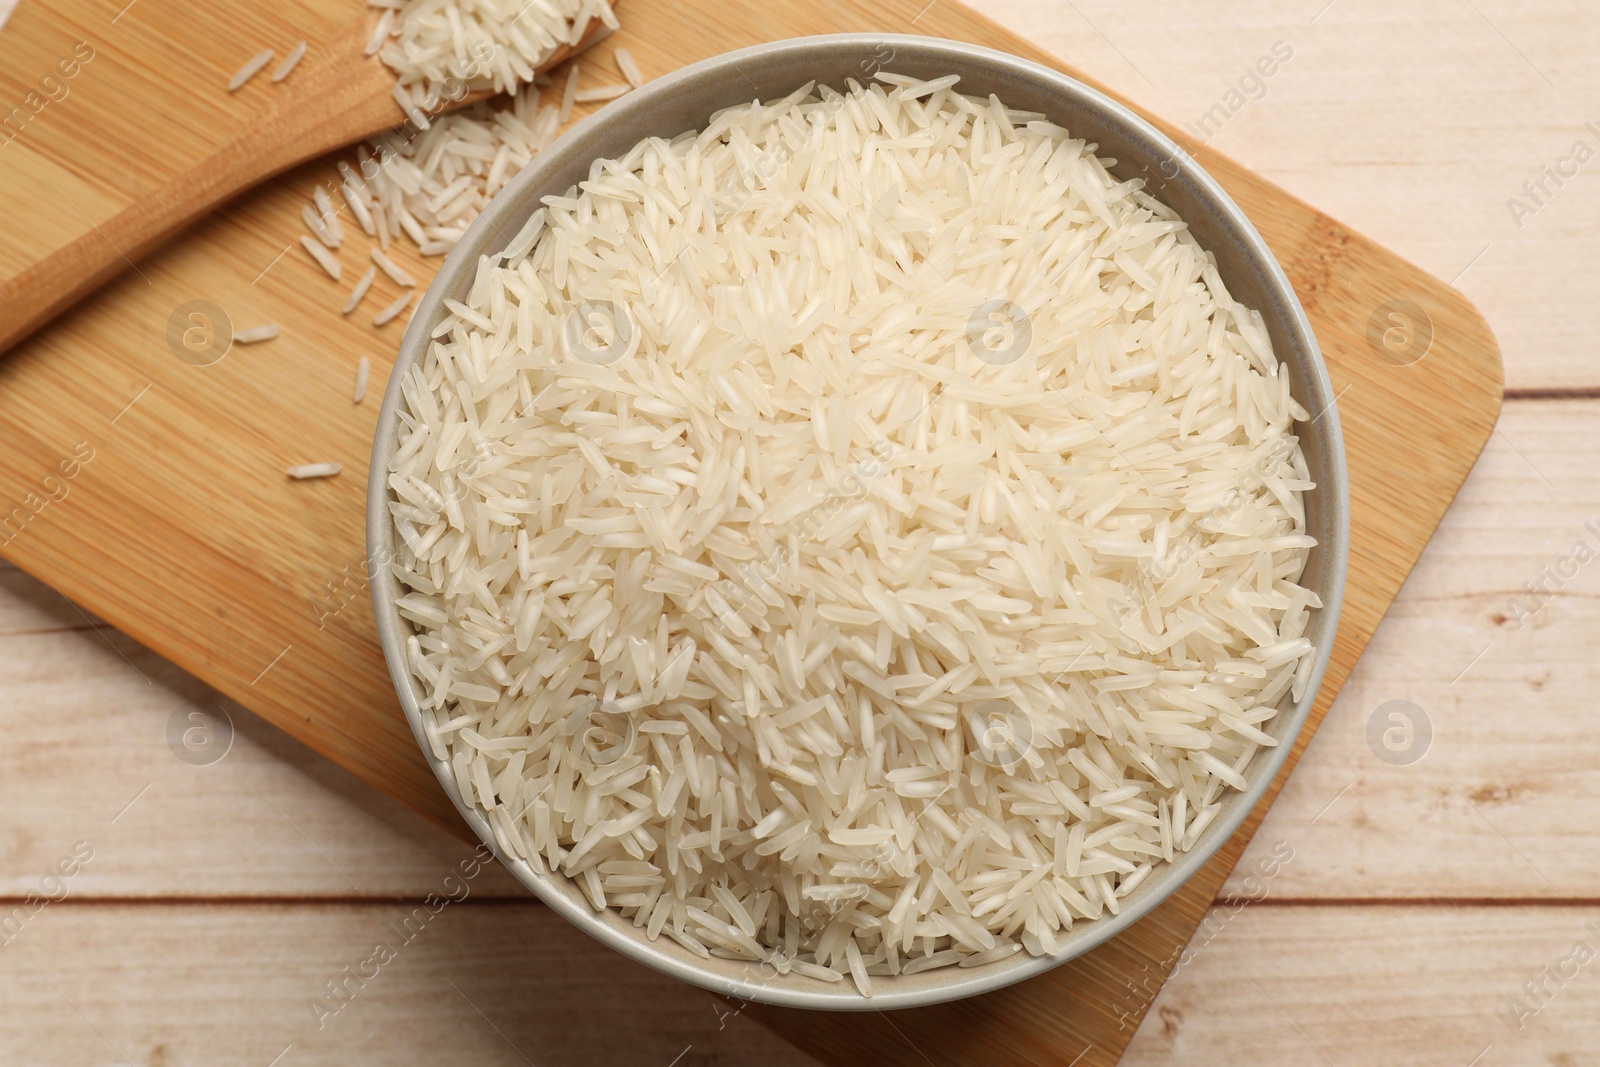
[464, 990]
[1413, 985]
[1405, 985]
[160, 824]
[152, 103]
[1487, 813]
[183, 532]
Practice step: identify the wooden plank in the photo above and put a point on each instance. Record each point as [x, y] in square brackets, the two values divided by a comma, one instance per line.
[1313, 986]
[184, 532]
[1279, 985]
[233, 986]
[90, 756]
[1488, 810]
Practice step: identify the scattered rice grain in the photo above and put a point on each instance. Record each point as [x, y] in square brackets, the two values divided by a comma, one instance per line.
[324, 259]
[256, 333]
[251, 67]
[389, 267]
[362, 285]
[289, 62]
[600, 92]
[629, 67]
[393, 309]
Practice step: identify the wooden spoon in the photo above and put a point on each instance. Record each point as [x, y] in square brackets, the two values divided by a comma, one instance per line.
[323, 107]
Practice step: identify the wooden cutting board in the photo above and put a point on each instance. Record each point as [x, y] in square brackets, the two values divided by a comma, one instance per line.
[151, 491]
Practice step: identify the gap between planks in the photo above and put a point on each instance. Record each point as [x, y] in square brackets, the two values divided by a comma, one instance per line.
[501, 900]
[1554, 392]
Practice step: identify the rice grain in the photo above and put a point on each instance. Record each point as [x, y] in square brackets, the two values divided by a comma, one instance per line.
[256, 333]
[324, 259]
[600, 92]
[251, 67]
[362, 285]
[290, 61]
[393, 309]
[629, 67]
[389, 267]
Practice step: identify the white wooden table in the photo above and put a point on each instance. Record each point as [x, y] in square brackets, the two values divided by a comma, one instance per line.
[1421, 899]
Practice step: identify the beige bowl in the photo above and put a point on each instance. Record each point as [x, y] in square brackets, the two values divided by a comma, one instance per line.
[685, 101]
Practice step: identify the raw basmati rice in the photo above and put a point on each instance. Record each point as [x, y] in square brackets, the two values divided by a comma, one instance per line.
[862, 537]
[251, 67]
[381, 32]
[290, 61]
[393, 309]
[362, 285]
[363, 371]
[313, 470]
[256, 333]
[357, 202]
[628, 66]
[489, 44]
[324, 259]
[569, 94]
[431, 186]
[327, 215]
[319, 228]
[599, 93]
[389, 267]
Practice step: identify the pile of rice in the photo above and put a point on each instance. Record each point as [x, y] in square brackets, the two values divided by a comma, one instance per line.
[430, 186]
[484, 44]
[861, 537]
[428, 179]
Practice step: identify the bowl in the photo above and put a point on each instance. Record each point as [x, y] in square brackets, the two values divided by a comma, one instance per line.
[684, 101]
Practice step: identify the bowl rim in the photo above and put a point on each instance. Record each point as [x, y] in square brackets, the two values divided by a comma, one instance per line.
[630, 941]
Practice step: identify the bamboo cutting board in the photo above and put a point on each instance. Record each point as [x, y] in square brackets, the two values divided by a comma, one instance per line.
[151, 491]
